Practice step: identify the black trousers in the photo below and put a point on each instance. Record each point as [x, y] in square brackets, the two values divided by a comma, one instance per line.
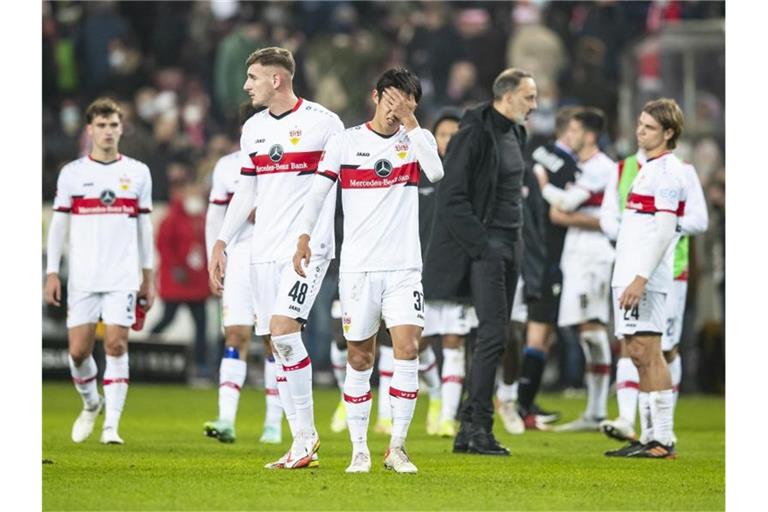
[197, 309]
[493, 279]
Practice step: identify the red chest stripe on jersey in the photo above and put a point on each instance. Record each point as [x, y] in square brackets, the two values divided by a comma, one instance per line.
[94, 206]
[298, 162]
[646, 204]
[595, 199]
[367, 178]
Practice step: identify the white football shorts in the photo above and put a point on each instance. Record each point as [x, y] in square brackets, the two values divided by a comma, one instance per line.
[444, 317]
[675, 309]
[279, 290]
[114, 308]
[237, 301]
[366, 297]
[649, 316]
[519, 307]
[585, 293]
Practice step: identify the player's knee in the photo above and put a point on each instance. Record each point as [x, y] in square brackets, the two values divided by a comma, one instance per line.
[638, 353]
[670, 355]
[237, 339]
[360, 360]
[282, 325]
[116, 347]
[453, 341]
[407, 351]
[79, 355]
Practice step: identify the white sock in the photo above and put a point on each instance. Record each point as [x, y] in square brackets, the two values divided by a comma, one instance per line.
[274, 414]
[386, 367]
[339, 364]
[646, 418]
[676, 372]
[597, 352]
[428, 372]
[231, 378]
[662, 414]
[505, 392]
[298, 372]
[84, 377]
[453, 380]
[115, 389]
[627, 388]
[284, 394]
[357, 400]
[402, 395]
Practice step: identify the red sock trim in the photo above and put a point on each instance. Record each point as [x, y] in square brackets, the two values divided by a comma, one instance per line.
[357, 399]
[337, 367]
[107, 382]
[230, 384]
[271, 391]
[675, 389]
[453, 378]
[434, 363]
[628, 384]
[383, 373]
[77, 380]
[298, 366]
[398, 393]
[602, 369]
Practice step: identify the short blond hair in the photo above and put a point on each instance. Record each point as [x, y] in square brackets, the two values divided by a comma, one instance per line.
[668, 114]
[273, 56]
[102, 107]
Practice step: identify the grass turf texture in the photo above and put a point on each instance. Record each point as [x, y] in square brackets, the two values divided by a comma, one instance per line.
[168, 464]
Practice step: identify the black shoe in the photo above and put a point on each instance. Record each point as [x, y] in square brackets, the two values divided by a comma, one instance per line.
[461, 441]
[654, 450]
[544, 416]
[483, 442]
[626, 450]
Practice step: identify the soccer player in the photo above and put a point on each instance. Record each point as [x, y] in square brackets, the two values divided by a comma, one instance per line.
[378, 166]
[237, 308]
[559, 161]
[642, 277]
[280, 148]
[102, 205]
[695, 220]
[586, 263]
[441, 318]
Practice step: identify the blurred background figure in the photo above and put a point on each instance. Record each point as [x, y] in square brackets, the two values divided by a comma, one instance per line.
[183, 268]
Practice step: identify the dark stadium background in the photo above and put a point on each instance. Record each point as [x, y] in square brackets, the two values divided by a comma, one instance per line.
[178, 68]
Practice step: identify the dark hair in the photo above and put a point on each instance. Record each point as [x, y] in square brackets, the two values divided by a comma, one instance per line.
[401, 79]
[446, 114]
[508, 80]
[102, 107]
[563, 117]
[246, 110]
[667, 113]
[273, 56]
[592, 119]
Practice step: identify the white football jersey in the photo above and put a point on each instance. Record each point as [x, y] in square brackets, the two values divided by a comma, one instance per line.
[659, 186]
[226, 175]
[379, 179]
[584, 243]
[283, 153]
[104, 201]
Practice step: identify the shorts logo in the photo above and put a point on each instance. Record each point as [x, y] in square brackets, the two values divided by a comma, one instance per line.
[276, 153]
[382, 168]
[107, 197]
[294, 136]
[346, 322]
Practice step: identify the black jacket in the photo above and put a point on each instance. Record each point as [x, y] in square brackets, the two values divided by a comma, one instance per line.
[465, 204]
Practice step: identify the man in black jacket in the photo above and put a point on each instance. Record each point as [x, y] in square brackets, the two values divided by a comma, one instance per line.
[476, 244]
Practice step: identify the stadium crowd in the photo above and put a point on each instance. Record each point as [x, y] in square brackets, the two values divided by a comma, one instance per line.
[176, 69]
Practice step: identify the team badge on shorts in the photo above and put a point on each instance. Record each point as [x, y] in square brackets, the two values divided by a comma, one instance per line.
[346, 322]
[382, 168]
[276, 153]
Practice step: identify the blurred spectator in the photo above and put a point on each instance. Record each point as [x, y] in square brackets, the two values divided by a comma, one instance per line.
[182, 271]
[100, 26]
[533, 46]
[463, 89]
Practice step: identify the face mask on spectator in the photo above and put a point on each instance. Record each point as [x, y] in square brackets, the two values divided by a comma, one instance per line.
[193, 205]
[70, 119]
[192, 114]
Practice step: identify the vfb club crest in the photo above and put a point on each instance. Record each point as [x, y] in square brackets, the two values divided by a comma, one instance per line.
[382, 168]
[276, 153]
[107, 197]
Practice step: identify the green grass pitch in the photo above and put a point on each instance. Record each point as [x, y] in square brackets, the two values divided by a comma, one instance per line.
[168, 464]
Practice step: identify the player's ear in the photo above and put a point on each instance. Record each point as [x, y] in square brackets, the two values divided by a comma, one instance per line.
[668, 134]
[375, 97]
